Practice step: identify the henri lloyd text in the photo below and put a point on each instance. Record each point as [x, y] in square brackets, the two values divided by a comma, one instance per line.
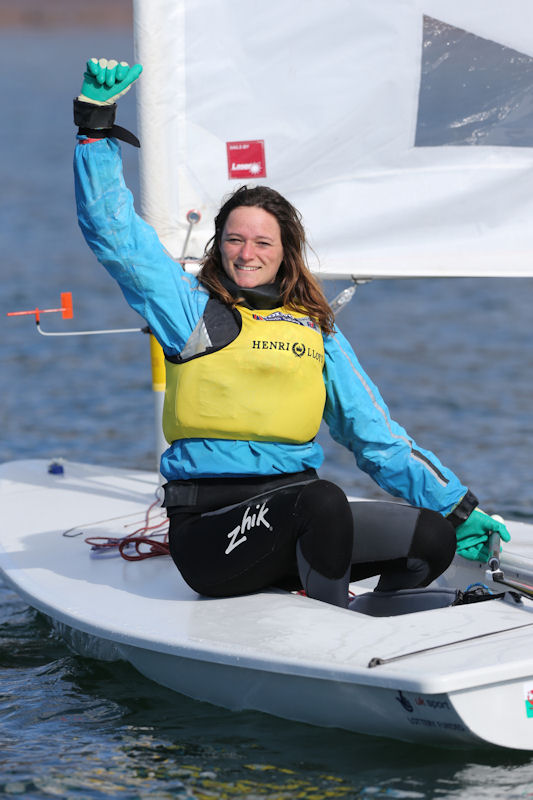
[298, 349]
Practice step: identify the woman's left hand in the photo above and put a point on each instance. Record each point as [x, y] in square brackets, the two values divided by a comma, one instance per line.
[473, 535]
[105, 81]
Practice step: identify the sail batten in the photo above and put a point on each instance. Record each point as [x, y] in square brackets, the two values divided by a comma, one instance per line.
[377, 120]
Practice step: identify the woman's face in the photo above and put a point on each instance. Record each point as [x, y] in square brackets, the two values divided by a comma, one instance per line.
[250, 247]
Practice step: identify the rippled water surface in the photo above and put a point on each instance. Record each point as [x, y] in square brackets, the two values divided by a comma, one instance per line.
[454, 361]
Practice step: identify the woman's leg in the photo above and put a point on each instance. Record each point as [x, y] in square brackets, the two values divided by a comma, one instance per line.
[325, 542]
[257, 543]
[408, 547]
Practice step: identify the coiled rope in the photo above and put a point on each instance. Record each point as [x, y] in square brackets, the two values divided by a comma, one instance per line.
[148, 541]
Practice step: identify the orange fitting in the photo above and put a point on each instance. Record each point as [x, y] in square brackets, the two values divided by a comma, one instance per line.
[66, 305]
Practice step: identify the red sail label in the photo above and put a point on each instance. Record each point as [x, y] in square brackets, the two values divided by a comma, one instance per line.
[246, 159]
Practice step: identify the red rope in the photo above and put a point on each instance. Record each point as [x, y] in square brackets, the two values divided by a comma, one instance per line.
[139, 537]
[155, 548]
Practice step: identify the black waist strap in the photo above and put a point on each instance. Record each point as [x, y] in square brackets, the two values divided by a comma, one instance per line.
[207, 494]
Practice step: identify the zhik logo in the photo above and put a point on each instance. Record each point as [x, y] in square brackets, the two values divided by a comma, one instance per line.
[248, 522]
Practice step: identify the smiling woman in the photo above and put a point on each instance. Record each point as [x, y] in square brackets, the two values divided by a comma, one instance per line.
[254, 362]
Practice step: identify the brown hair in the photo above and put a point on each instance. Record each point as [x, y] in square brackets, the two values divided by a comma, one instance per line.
[299, 288]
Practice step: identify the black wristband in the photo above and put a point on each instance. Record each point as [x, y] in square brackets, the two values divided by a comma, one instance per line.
[462, 511]
[116, 132]
[97, 122]
[89, 115]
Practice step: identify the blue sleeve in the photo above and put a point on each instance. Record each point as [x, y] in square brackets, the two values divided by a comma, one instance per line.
[154, 285]
[359, 419]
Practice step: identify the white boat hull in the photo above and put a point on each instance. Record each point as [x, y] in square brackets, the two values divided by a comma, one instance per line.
[453, 676]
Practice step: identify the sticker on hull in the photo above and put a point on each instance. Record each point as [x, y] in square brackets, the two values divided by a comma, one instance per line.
[528, 699]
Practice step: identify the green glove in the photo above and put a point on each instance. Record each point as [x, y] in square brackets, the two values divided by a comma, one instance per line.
[104, 81]
[473, 535]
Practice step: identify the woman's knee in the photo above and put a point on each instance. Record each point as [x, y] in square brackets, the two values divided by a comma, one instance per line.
[434, 542]
[325, 501]
[325, 527]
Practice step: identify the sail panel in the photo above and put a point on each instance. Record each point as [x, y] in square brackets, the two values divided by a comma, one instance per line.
[325, 98]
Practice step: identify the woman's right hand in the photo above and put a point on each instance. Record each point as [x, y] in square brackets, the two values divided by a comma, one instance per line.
[474, 534]
[105, 81]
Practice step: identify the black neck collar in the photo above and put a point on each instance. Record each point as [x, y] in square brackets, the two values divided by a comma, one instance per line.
[264, 297]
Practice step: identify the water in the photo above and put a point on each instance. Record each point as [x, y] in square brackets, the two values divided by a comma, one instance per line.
[452, 358]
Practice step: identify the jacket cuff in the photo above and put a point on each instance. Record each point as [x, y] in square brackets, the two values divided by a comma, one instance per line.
[462, 510]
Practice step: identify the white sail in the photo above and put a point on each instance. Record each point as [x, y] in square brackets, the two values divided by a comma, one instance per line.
[401, 129]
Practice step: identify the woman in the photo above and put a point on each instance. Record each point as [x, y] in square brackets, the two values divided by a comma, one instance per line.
[254, 362]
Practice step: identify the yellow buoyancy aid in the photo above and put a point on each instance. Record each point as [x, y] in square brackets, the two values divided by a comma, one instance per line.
[266, 385]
